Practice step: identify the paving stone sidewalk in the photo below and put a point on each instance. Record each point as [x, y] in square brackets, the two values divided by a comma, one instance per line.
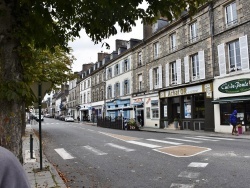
[48, 177]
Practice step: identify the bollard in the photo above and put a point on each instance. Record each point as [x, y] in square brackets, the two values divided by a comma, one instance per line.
[31, 146]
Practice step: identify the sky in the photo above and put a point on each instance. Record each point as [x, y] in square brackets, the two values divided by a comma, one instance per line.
[85, 51]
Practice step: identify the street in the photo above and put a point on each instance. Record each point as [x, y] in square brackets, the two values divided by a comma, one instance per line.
[90, 156]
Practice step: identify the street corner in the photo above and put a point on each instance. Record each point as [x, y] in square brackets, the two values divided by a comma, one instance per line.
[182, 150]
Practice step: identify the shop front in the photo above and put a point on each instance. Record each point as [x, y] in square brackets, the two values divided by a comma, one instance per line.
[232, 93]
[119, 108]
[85, 112]
[190, 106]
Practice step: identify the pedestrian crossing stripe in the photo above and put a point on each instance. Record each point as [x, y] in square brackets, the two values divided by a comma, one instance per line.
[120, 147]
[144, 144]
[198, 165]
[165, 142]
[205, 139]
[64, 154]
[185, 140]
[218, 138]
[94, 150]
[178, 185]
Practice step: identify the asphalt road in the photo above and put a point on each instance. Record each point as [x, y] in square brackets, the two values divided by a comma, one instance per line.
[90, 156]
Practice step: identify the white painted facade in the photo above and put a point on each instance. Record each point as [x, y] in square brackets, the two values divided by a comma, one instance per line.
[218, 95]
[85, 98]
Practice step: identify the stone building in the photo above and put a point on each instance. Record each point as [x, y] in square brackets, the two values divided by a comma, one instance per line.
[231, 62]
[176, 73]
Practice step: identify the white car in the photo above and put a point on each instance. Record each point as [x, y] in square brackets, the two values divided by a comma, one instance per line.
[69, 118]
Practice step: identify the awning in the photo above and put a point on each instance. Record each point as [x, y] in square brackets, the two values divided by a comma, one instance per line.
[232, 100]
[120, 108]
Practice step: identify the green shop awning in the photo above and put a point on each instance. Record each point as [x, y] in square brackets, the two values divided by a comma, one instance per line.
[239, 99]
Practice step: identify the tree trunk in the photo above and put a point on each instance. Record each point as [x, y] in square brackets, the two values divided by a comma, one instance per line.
[11, 104]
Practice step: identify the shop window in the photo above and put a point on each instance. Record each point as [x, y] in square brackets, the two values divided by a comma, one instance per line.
[155, 113]
[199, 106]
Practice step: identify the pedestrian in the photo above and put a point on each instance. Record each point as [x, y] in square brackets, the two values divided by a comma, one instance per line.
[233, 121]
[12, 174]
[78, 119]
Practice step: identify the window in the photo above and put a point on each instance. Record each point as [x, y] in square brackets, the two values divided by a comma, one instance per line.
[156, 50]
[193, 32]
[117, 89]
[110, 72]
[84, 85]
[234, 56]
[89, 83]
[81, 99]
[156, 77]
[155, 113]
[231, 14]
[88, 98]
[195, 66]
[101, 96]
[117, 69]
[109, 90]
[84, 98]
[139, 59]
[97, 94]
[172, 39]
[126, 87]
[139, 82]
[103, 76]
[97, 79]
[173, 73]
[126, 65]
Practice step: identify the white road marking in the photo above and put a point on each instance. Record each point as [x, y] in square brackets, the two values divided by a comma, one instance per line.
[217, 138]
[202, 139]
[64, 154]
[177, 185]
[163, 141]
[198, 165]
[186, 174]
[90, 130]
[27, 158]
[95, 151]
[120, 147]
[144, 144]
[185, 140]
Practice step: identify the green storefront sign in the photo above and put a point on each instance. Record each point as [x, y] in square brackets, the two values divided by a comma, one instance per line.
[235, 86]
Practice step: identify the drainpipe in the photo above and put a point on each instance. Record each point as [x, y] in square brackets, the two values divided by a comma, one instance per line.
[211, 16]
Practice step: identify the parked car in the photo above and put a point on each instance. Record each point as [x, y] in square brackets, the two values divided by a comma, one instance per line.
[36, 117]
[69, 118]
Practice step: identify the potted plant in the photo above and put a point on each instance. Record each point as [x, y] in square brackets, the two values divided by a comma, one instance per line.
[176, 122]
[165, 121]
[132, 125]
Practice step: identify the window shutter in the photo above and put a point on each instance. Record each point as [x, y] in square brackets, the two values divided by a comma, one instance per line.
[178, 67]
[186, 65]
[167, 74]
[202, 64]
[121, 88]
[244, 53]
[107, 74]
[118, 68]
[128, 63]
[113, 71]
[122, 66]
[222, 59]
[150, 79]
[160, 76]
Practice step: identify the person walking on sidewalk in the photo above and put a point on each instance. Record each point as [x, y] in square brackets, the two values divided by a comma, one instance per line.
[233, 121]
[12, 174]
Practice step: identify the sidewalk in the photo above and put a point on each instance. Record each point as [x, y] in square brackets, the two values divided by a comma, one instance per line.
[203, 133]
[48, 177]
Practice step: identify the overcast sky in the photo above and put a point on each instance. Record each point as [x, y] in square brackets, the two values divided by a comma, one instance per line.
[85, 51]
